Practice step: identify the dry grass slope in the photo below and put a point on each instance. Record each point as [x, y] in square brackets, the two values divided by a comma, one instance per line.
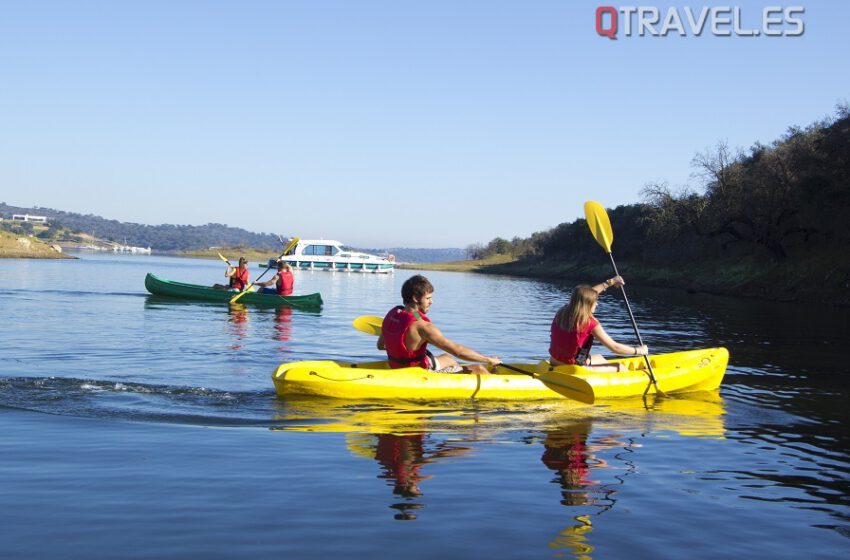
[22, 247]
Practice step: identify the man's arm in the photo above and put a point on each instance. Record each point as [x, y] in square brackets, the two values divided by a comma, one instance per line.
[432, 334]
[267, 282]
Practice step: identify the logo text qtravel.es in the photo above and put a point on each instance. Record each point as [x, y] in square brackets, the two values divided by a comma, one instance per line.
[720, 21]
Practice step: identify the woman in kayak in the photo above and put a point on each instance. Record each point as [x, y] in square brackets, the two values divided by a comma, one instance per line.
[407, 330]
[574, 329]
[283, 281]
[238, 276]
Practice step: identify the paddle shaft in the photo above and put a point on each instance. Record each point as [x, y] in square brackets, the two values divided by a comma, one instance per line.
[516, 369]
[634, 325]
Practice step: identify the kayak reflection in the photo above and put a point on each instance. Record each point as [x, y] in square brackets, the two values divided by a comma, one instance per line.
[403, 438]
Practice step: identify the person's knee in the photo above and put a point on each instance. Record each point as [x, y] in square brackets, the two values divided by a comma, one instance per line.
[445, 360]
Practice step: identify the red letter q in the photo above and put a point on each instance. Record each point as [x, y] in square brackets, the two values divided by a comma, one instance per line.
[611, 30]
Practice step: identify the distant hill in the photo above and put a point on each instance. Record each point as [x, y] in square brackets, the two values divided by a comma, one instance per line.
[163, 238]
[180, 238]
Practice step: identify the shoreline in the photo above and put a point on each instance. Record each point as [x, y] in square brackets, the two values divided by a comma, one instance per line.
[813, 280]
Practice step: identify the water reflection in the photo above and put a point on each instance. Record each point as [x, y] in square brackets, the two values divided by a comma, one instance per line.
[571, 454]
[401, 458]
[282, 324]
[237, 319]
[565, 452]
[402, 438]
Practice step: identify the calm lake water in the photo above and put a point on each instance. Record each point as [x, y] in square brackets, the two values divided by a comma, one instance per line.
[141, 428]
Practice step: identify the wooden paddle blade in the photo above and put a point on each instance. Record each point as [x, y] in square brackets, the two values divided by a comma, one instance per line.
[569, 386]
[368, 324]
[599, 224]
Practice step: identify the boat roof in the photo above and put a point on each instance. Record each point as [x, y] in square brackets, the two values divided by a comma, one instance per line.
[319, 242]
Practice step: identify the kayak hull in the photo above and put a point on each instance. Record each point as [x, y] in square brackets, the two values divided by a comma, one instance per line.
[697, 370]
[162, 287]
[376, 380]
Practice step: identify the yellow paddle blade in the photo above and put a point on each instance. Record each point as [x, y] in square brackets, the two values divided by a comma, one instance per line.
[564, 384]
[368, 324]
[224, 259]
[599, 224]
[569, 386]
[247, 289]
[292, 243]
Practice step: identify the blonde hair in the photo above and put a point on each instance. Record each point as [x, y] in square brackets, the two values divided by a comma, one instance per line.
[576, 315]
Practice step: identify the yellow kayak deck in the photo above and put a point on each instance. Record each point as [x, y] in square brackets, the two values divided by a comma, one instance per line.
[677, 372]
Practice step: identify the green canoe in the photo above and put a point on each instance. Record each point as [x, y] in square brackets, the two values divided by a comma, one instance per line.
[162, 287]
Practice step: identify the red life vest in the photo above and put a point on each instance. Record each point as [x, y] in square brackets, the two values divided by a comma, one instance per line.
[285, 282]
[239, 279]
[394, 330]
[565, 346]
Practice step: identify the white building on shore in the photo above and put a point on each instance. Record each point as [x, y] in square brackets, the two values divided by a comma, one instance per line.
[29, 218]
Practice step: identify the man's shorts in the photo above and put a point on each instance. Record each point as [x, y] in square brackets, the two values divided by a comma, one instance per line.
[432, 365]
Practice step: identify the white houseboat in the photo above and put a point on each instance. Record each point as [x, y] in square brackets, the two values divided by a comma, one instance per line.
[326, 254]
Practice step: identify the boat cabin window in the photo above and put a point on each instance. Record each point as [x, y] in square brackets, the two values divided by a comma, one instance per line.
[320, 250]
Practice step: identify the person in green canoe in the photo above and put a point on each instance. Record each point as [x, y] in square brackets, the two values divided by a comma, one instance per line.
[574, 329]
[238, 276]
[283, 281]
[407, 330]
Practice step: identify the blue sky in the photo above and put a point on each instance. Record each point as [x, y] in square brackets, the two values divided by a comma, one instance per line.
[382, 123]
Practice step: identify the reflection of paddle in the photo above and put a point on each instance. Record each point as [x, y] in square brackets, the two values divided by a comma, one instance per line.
[569, 386]
[600, 227]
[247, 289]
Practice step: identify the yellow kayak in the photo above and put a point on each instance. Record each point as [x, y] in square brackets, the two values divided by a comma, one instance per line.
[695, 370]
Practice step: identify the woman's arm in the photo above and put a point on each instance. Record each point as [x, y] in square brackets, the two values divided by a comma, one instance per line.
[615, 281]
[616, 347]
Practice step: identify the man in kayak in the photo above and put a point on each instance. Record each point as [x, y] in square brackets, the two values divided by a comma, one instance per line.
[406, 332]
[574, 329]
[238, 276]
[283, 281]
